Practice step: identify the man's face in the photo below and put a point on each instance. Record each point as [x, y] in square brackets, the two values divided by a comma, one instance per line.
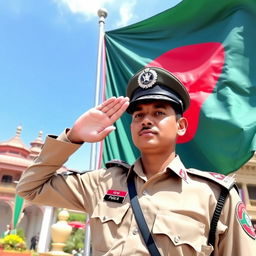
[155, 127]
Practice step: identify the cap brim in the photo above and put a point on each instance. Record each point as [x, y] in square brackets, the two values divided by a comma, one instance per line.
[150, 98]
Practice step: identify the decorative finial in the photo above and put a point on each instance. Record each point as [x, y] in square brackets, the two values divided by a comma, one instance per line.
[40, 134]
[102, 13]
[63, 215]
[18, 131]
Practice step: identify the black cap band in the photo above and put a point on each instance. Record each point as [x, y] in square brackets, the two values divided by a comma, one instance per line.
[157, 92]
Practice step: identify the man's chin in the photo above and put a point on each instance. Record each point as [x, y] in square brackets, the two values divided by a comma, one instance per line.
[148, 147]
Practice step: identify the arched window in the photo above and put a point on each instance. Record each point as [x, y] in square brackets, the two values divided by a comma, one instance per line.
[7, 178]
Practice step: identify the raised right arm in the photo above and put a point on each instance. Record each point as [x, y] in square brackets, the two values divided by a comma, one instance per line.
[40, 183]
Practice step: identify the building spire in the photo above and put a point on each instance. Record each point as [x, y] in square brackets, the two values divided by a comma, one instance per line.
[16, 141]
[18, 131]
[36, 145]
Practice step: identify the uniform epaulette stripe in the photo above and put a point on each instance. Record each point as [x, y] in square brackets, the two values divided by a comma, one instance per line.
[118, 163]
[226, 181]
[70, 172]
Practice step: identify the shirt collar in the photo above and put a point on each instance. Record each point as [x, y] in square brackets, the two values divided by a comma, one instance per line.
[178, 168]
[175, 166]
[137, 168]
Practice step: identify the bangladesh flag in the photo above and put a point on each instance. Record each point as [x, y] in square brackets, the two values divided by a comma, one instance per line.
[210, 46]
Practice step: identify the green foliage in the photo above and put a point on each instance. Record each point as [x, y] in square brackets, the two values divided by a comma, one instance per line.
[13, 242]
[21, 233]
[76, 216]
[75, 241]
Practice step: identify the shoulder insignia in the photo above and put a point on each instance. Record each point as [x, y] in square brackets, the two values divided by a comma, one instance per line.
[226, 181]
[118, 163]
[244, 220]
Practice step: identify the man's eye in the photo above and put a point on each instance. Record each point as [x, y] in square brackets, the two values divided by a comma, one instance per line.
[138, 115]
[159, 113]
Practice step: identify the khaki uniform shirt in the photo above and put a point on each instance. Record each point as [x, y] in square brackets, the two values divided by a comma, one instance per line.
[177, 203]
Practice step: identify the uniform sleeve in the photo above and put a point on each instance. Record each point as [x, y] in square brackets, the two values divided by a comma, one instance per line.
[41, 184]
[239, 236]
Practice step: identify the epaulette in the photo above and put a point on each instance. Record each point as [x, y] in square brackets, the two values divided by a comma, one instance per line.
[73, 171]
[225, 181]
[118, 163]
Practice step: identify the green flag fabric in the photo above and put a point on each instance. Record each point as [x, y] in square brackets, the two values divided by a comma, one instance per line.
[210, 46]
[17, 210]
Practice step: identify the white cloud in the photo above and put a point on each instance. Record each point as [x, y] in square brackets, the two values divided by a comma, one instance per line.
[126, 12]
[120, 10]
[88, 8]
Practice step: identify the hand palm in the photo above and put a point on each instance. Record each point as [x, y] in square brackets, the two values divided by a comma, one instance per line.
[95, 124]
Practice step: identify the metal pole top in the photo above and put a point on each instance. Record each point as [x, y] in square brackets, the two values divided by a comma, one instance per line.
[102, 13]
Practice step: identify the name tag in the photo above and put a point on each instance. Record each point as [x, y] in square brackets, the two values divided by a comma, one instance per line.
[115, 196]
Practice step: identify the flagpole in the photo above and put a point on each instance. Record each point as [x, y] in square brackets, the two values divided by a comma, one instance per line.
[102, 13]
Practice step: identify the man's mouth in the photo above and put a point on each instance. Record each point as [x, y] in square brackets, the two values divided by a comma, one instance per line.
[146, 130]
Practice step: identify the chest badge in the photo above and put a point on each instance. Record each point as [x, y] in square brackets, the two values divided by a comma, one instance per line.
[116, 196]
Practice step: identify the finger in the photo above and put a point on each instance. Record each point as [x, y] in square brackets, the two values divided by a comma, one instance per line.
[103, 134]
[119, 112]
[105, 104]
[115, 107]
[108, 108]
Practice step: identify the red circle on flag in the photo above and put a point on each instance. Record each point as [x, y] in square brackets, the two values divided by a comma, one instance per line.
[198, 67]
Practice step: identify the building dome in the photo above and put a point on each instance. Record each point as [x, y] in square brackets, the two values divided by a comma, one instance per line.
[14, 153]
[15, 142]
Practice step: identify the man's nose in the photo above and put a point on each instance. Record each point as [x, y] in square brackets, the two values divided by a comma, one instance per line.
[147, 120]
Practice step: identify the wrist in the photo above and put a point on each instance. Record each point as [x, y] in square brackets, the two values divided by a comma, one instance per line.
[71, 136]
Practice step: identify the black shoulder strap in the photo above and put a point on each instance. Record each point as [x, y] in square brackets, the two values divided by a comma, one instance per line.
[141, 222]
[216, 215]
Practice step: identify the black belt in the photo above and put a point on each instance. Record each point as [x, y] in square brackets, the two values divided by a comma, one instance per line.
[141, 222]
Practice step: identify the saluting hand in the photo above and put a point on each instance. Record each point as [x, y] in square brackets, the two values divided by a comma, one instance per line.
[95, 124]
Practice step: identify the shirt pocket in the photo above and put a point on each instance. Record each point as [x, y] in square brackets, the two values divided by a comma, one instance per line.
[182, 234]
[106, 220]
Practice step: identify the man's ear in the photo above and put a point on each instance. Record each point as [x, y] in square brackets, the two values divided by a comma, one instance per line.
[182, 126]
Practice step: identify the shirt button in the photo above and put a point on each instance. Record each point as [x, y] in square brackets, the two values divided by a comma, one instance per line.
[176, 239]
[104, 218]
[135, 231]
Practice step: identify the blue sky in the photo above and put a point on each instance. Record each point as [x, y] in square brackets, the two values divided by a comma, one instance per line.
[48, 54]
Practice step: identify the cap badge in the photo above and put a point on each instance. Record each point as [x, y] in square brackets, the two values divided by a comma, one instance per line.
[147, 78]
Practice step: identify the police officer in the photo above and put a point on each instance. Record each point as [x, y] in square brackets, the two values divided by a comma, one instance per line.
[178, 204]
